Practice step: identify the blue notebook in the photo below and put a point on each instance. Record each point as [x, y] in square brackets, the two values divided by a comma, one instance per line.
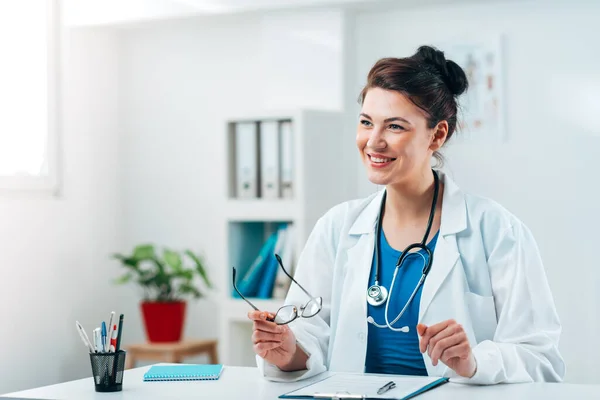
[183, 372]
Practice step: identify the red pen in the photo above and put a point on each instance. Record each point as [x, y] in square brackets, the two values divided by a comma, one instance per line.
[113, 339]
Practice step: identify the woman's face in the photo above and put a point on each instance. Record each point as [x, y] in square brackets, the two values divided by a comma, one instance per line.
[393, 139]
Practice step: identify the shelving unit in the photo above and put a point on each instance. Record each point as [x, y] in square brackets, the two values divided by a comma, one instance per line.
[318, 185]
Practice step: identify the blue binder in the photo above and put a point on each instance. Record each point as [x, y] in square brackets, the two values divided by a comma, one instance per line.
[250, 283]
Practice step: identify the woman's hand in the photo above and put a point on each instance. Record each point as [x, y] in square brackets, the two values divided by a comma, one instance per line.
[447, 341]
[275, 343]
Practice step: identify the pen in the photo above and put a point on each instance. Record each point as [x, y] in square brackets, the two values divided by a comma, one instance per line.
[118, 346]
[113, 340]
[388, 386]
[119, 334]
[84, 336]
[104, 342]
[97, 340]
[110, 327]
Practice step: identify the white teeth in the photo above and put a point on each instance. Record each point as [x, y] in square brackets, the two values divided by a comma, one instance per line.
[380, 160]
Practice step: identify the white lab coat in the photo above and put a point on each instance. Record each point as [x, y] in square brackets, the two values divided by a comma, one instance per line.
[487, 275]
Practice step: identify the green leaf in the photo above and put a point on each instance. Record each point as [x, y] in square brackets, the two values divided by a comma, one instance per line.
[144, 252]
[159, 265]
[123, 279]
[127, 261]
[173, 259]
[199, 267]
[186, 288]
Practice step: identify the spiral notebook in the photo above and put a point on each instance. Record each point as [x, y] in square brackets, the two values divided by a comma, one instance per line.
[183, 372]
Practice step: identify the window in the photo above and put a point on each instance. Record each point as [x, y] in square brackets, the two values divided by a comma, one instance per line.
[28, 94]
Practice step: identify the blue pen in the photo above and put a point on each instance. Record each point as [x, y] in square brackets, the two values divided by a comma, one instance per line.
[104, 336]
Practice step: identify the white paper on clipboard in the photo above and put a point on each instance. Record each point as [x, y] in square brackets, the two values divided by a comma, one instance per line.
[361, 386]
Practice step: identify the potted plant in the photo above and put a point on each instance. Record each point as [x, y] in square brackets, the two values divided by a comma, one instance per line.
[166, 282]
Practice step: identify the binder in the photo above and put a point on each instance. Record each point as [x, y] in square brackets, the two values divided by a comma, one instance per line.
[246, 159]
[286, 252]
[250, 283]
[269, 159]
[287, 159]
[183, 372]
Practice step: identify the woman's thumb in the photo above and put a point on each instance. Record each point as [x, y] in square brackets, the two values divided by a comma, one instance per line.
[421, 329]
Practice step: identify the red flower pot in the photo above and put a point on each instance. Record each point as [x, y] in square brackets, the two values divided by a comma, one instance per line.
[163, 320]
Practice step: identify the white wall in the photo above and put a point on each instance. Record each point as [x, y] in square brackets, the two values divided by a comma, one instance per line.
[142, 146]
[180, 80]
[301, 63]
[545, 172]
[54, 253]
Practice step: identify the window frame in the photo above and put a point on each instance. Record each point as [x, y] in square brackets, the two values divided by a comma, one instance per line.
[48, 183]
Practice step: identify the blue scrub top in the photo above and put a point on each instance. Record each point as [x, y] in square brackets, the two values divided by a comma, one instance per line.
[390, 352]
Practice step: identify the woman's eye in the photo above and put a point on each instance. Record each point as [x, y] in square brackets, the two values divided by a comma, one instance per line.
[395, 127]
[364, 122]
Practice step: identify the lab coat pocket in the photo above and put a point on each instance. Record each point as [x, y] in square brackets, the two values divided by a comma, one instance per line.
[483, 315]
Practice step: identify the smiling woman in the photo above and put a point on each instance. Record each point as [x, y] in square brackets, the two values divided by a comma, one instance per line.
[424, 88]
[446, 275]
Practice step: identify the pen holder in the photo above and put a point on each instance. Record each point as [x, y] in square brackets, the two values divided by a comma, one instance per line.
[107, 370]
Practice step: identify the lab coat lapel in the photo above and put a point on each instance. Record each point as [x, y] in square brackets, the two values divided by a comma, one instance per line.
[354, 314]
[360, 256]
[445, 255]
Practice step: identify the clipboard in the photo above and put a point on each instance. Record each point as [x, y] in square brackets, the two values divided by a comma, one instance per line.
[304, 392]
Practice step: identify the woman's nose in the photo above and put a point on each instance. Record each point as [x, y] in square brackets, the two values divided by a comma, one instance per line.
[376, 140]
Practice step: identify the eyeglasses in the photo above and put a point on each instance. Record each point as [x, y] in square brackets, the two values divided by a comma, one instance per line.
[287, 314]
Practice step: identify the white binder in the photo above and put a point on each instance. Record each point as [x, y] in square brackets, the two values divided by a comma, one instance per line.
[287, 160]
[269, 159]
[286, 252]
[246, 157]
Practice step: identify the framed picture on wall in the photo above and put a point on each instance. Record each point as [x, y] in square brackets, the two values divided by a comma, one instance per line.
[481, 114]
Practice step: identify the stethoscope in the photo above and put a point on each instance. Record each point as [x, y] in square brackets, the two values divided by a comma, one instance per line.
[377, 294]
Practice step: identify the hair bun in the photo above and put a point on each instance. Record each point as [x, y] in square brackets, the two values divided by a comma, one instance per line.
[450, 72]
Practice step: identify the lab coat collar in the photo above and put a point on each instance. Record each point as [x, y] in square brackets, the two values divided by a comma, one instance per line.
[454, 210]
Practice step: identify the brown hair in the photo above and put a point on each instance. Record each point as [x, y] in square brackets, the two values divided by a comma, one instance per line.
[430, 81]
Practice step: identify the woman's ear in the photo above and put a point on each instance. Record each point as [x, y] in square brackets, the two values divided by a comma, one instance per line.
[440, 133]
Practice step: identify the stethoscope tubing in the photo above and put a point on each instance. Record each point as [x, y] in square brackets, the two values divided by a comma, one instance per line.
[426, 263]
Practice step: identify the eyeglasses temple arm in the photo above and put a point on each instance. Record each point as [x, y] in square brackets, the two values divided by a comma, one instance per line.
[241, 295]
[293, 280]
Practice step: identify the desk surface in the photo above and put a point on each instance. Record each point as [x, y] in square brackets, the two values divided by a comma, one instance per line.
[246, 383]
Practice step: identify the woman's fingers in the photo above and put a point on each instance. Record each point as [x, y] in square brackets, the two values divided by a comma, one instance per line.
[267, 326]
[446, 343]
[430, 332]
[460, 350]
[421, 328]
[262, 336]
[448, 331]
[262, 347]
[257, 315]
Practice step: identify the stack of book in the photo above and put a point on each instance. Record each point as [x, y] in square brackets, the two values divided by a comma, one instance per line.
[264, 279]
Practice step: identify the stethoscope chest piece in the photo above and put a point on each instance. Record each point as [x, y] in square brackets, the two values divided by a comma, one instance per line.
[376, 295]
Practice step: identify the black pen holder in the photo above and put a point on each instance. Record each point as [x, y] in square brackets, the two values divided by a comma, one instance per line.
[107, 370]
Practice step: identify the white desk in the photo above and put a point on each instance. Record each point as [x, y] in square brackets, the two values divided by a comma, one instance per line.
[246, 383]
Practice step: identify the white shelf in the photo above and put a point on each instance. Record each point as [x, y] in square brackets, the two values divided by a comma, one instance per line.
[319, 183]
[261, 210]
[236, 310]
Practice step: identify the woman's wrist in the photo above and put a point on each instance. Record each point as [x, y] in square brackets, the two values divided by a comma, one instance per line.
[297, 362]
